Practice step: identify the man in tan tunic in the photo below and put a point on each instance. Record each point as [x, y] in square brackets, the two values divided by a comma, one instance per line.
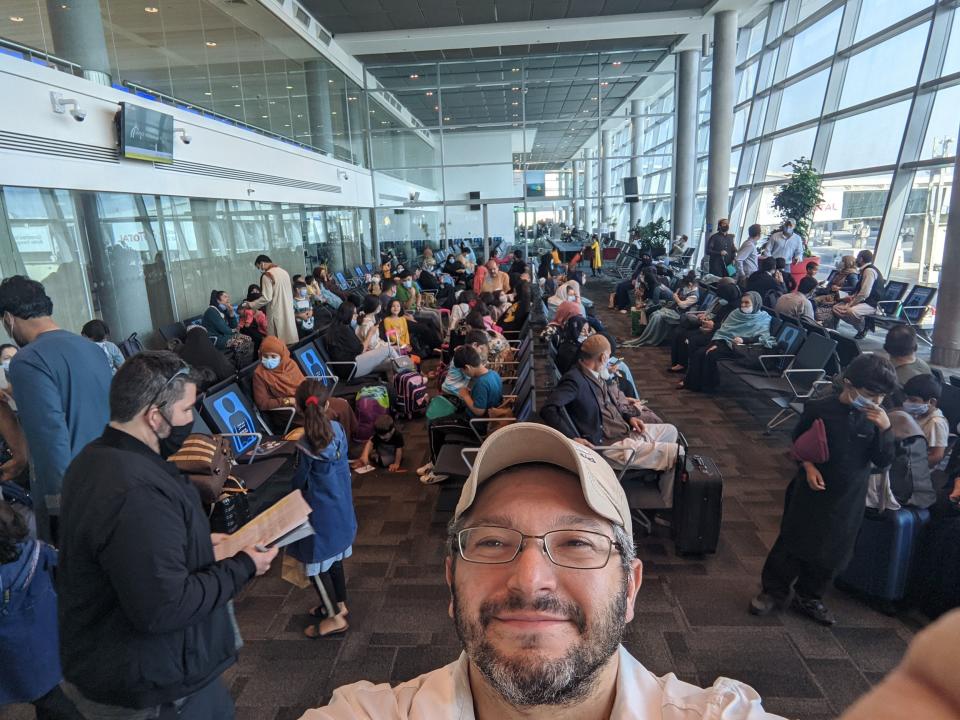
[276, 299]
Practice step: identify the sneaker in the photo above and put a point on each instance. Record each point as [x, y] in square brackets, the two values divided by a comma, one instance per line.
[432, 478]
[860, 335]
[763, 604]
[813, 609]
[424, 469]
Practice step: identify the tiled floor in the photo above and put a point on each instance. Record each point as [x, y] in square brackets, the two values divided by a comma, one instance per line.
[691, 619]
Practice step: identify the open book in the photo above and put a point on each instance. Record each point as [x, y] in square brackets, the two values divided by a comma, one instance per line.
[281, 524]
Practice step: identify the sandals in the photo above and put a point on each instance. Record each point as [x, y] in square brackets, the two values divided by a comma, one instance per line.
[316, 631]
[320, 612]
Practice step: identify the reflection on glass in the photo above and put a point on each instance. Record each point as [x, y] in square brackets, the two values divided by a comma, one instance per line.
[857, 141]
[876, 15]
[885, 68]
[816, 43]
[803, 100]
[941, 137]
[923, 231]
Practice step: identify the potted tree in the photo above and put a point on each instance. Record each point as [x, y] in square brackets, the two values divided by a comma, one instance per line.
[654, 237]
[798, 198]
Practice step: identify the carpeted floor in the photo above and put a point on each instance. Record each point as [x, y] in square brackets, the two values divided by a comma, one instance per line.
[692, 613]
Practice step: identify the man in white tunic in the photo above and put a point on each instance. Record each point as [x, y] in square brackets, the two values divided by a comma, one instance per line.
[543, 576]
[276, 299]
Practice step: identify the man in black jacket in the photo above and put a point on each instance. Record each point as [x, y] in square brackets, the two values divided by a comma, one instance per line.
[764, 282]
[588, 408]
[145, 626]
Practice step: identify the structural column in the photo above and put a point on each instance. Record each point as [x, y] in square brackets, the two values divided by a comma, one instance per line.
[575, 193]
[685, 142]
[77, 29]
[636, 147]
[946, 327]
[317, 76]
[606, 201]
[721, 115]
[588, 190]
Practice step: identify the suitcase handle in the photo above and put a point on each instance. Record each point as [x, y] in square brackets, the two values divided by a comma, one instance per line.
[698, 461]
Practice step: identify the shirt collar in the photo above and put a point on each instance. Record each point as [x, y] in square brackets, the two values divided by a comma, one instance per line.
[112, 437]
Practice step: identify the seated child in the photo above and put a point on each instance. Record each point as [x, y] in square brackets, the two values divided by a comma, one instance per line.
[921, 397]
[385, 448]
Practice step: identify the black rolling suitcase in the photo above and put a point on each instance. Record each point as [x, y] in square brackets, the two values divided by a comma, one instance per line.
[697, 506]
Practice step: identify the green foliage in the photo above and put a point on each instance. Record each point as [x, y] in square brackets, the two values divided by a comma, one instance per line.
[800, 195]
[654, 236]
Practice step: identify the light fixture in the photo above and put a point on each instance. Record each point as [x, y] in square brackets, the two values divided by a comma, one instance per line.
[151, 9]
[383, 122]
[436, 107]
[429, 93]
[604, 84]
[184, 137]
[617, 63]
[514, 103]
[16, 18]
[60, 105]
[414, 76]
[333, 113]
[235, 87]
[299, 116]
[329, 81]
[236, 105]
[208, 93]
[273, 102]
[289, 87]
[447, 119]
[264, 116]
[210, 43]
[515, 89]
[514, 69]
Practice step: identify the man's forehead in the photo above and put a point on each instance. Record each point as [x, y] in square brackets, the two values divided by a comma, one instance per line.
[551, 493]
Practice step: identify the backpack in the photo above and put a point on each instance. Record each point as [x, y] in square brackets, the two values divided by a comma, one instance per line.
[131, 346]
[412, 396]
[910, 479]
[371, 402]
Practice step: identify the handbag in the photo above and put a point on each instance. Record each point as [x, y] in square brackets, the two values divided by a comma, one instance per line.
[206, 461]
[231, 511]
[811, 445]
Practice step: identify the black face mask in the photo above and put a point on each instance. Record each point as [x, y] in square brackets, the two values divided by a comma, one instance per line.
[175, 440]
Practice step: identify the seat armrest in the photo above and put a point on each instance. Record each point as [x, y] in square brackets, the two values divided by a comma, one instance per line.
[468, 451]
[349, 363]
[789, 372]
[288, 409]
[763, 359]
[253, 453]
[631, 454]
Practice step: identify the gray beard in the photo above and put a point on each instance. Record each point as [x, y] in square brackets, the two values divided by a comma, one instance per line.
[534, 680]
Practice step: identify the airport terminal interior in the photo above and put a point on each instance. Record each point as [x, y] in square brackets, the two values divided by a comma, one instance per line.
[739, 210]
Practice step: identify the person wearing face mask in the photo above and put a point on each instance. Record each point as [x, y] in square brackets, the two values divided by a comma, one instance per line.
[221, 323]
[588, 408]
[721, 249]
[785, 244]
[825, 501]
[749, 325]
[252, 323]
[302, 309]
[137, 572]
[7, 351]
[862, 302]
[921, 396]
[796, 303]
[61, 383]
[344, 343]
[566, 292]
[275, 382]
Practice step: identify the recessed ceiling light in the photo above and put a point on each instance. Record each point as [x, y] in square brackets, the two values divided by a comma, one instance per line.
[16, 18]
[617, 63]
[333, 113]
[289, 87]
[273, 102]
[351, 99]
[299, 116]
[235, 86]
[436, 107]
[210, 43]
[383, 122]
[446, 118]
[286, 124]
[208, 93]
[604, 83]
[593, 98]
[264, 116]
[515, 89]
[372, 112]
[414, 76]
[151, 9]
[329, 81]
[514, 69]
[429, 93]
[236, 104]
[514, 103]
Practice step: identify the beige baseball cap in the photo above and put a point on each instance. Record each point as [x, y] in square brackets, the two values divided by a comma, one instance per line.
[521, 443]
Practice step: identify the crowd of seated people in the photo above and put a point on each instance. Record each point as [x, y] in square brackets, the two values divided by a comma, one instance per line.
[458, 320]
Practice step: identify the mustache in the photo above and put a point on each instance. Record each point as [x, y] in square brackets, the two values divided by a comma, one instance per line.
[543, 603]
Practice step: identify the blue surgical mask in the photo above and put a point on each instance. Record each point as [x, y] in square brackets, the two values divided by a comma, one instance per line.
[408, 283]
[861, 403]
[916, 409]
[353, 323]
[5, 365]
[270, 363]
[222, 307]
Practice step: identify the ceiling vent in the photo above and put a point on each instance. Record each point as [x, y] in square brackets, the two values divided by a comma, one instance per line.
[302, 16]
[323, 36]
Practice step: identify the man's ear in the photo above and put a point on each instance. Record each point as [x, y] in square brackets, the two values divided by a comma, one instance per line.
[634, 581]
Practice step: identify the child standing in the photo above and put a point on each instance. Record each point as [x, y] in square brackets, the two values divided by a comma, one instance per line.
[323, 476]
[385, 448]
[29, 642]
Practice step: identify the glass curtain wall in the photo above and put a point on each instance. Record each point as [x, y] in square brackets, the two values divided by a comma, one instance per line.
[104, 254]
[201, 55]
[867, 89]
[516, 131]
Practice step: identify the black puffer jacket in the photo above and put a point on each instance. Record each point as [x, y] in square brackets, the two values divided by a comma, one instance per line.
[143, 605]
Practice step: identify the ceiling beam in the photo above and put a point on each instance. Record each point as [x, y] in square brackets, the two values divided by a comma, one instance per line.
[535, 32]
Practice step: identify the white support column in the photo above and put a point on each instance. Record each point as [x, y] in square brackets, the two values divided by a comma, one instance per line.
[588, 191]
[575, 193]
[606, 192]
[721, 116]
[685, 142]
[636, 147]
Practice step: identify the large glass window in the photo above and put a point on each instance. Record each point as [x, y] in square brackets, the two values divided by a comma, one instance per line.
[816, 43]
[885, 68]
[941, 136]
[869, 139]
[923, 231]
[789, 147]
[876, 15]
[803, 100]
[849, 217]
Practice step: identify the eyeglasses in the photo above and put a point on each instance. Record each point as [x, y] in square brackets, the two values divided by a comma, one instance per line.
[183, 370]
[579, 549]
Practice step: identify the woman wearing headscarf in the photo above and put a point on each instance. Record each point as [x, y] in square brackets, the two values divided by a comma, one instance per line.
[198, 352]
[516, 314]
[567, 292]
[275, 383]
[708, 321]
[845, 280]
[747, 325]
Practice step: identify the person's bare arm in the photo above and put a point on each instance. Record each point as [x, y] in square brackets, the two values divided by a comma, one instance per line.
[16, 441]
